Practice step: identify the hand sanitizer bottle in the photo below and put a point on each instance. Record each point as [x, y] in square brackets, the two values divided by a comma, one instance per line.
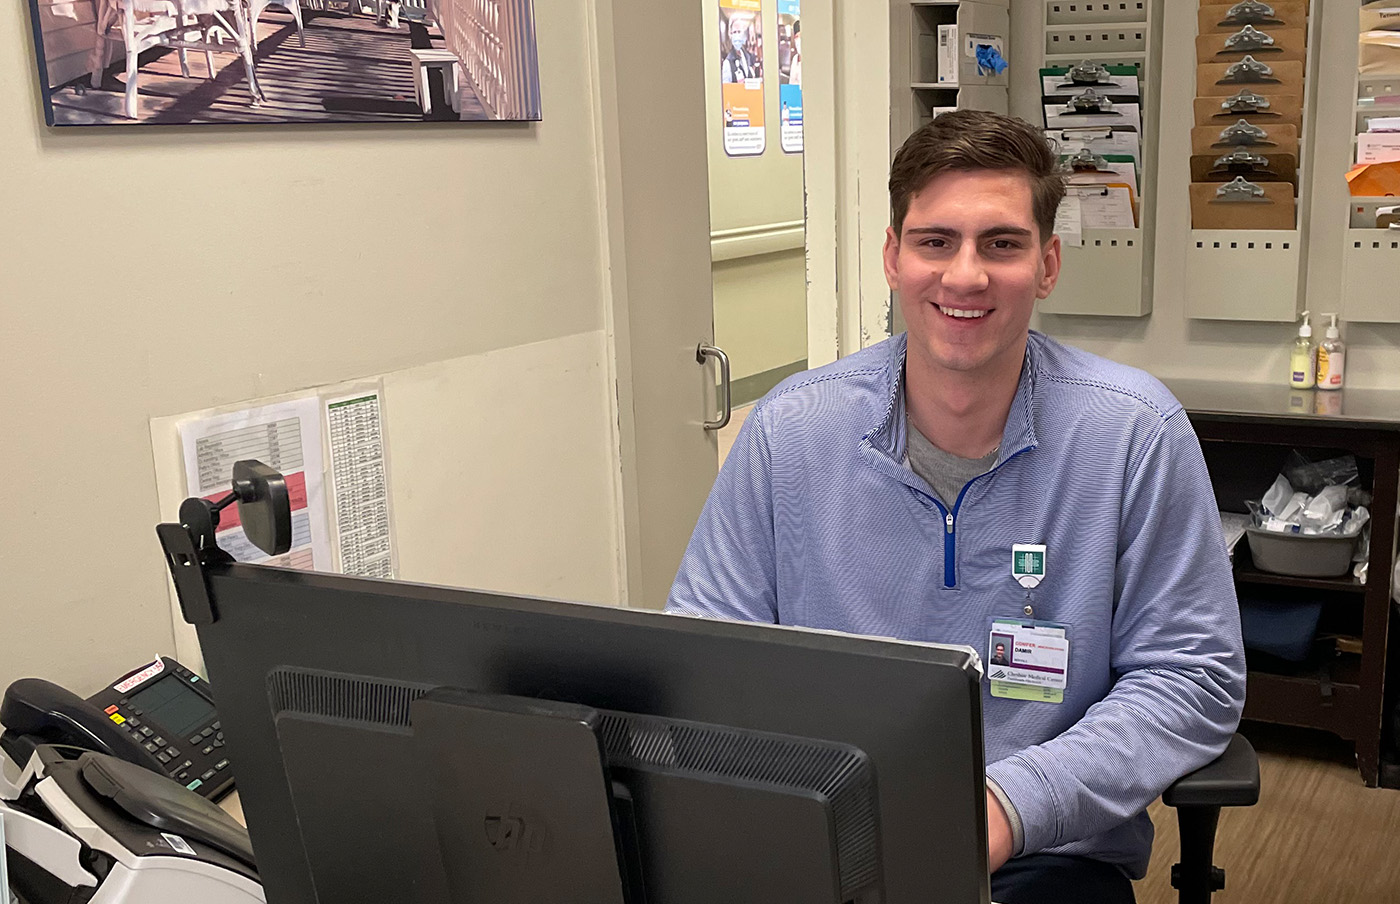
[1331, 357]
[1302, 366]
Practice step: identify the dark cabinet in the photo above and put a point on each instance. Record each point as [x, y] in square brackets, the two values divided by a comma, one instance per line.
[1246, 433]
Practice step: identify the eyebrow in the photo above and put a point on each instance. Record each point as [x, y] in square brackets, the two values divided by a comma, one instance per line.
[984, 234]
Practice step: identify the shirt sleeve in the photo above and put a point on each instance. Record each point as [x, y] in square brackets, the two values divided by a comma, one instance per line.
[729, 569]
[1176, 651]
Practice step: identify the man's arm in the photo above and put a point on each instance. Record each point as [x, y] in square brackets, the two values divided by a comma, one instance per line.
[1176, 648]
[730, 567]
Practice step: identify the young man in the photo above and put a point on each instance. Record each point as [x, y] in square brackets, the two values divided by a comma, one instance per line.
[883, 494]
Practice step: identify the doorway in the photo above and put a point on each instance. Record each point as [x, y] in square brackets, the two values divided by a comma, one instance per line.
[753, 75]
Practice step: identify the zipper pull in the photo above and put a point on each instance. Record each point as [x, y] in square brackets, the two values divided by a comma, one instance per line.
[949, 522]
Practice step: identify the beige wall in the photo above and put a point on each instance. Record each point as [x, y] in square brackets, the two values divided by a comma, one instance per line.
[148, 272]
[761, 311]
[756, 215]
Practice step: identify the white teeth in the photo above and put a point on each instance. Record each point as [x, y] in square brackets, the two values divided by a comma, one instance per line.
[969, 315]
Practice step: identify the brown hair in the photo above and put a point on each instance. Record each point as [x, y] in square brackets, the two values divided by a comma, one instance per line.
[978, 140]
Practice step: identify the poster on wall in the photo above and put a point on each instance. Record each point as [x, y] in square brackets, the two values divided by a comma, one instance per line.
[285, 436]
[179, 62]
[790, 75]
[741, 76]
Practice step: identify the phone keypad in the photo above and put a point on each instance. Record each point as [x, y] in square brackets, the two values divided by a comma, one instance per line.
[205, 742]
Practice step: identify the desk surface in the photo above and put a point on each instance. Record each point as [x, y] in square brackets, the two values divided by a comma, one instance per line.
[1264, 403]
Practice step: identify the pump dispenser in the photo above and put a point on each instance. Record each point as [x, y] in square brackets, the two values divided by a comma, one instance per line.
[1331, 357]
[1302, 366]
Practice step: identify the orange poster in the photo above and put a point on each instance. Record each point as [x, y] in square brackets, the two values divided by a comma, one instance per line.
[741, 76]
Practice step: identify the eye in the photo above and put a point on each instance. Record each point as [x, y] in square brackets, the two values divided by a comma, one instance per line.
[1005, 244]
[934, 242]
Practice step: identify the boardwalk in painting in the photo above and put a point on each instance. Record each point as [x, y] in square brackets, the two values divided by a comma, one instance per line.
[352, 68]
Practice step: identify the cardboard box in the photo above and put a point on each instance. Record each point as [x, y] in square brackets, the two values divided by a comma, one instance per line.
[948, 55]
[1287, 14]
[1289, 44]
[1284, 109]
[1287, 78]
[1280, 168]
[1279, 140]
[1276, 210]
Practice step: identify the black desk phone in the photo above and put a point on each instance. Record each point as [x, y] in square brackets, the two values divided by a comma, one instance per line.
[160, 716]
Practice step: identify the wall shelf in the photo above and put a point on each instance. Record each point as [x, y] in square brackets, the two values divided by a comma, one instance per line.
[1243, 274]
[1059, 12]
[917, 95]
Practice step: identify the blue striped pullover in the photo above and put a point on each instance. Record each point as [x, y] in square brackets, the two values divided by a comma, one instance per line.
[817, 520]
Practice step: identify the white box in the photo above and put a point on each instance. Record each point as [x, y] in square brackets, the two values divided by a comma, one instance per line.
[948, 55]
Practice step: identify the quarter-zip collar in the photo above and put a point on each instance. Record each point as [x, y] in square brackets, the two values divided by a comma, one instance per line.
[886, 441]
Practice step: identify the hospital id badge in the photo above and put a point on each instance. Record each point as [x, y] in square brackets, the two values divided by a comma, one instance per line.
[1028, 660]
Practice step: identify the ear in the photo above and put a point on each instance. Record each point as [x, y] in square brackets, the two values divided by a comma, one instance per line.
[891, 256]
[1050, 267]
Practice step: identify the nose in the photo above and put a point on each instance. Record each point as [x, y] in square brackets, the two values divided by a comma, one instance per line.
[965, 274]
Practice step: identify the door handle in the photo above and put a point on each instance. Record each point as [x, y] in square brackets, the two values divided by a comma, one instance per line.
[705, 350]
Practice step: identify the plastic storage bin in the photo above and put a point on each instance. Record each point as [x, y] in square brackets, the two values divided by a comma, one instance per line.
[1300, 555]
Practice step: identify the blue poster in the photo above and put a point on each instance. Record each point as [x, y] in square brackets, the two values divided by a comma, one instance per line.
[790, 75]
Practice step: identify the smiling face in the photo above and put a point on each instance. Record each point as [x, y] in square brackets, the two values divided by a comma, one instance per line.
[969, 265]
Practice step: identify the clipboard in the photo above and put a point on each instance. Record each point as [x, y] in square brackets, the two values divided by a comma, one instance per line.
[1242, 204]
[1106, 205]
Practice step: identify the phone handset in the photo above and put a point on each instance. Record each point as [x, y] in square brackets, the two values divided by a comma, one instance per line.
[48, 714]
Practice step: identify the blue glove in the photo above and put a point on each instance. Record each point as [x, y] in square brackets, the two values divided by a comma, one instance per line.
[989, 59]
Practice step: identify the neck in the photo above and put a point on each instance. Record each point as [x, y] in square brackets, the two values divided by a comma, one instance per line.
[961, 412]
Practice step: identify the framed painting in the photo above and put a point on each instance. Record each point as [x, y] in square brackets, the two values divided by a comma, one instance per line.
[180, 62]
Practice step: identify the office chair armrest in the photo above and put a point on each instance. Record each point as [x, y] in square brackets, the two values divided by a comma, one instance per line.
[1232, 780]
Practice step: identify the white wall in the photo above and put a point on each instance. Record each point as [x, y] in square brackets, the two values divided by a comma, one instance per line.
[147, 272]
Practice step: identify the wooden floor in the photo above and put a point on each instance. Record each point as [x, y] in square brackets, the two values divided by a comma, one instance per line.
[1317, 835]
[351, 70]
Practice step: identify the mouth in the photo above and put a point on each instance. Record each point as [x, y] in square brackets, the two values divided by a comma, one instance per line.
[964, 314]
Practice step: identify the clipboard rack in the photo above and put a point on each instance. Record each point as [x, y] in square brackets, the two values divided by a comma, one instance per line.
[1110, 274]
[1243, 272]
[1371, 249]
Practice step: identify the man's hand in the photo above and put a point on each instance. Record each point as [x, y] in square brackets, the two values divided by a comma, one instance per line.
[998, 834]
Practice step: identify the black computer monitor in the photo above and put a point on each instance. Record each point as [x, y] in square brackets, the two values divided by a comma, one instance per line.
[409, 743]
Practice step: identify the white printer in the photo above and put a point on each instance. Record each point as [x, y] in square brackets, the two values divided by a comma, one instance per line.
[87, 828]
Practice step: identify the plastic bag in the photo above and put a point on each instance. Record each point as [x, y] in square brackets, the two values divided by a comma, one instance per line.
[1313, 477]
[1314, 498]
[1323, 513]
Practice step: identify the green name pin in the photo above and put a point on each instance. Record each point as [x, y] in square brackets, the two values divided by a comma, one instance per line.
[1028, 564]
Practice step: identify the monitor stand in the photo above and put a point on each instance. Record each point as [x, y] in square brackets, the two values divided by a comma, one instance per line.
[524, 808]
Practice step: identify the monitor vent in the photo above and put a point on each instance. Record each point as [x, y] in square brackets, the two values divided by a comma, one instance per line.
[840, 773]
[342, 696]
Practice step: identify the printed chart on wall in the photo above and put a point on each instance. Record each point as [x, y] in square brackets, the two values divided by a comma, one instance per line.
[741, 76]
[285, 436]
[360, 484]
[790, 75]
